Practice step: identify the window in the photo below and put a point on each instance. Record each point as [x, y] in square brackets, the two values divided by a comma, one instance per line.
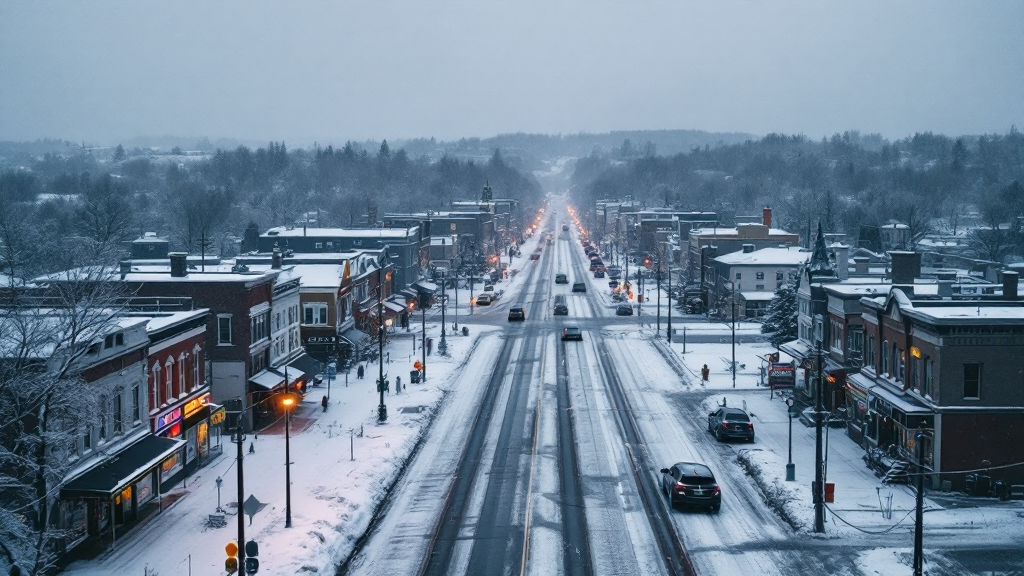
[915, 373]
[972, 380]
[87, 439]
[926, 382]
[869, 352]
[885, 356]
[154, 390]
[330, 244]
[104, 406]
[759, 286]
[224, 329]
[181, 374]
[314, 313]
[195, 367]
[739, 276]
[258, 328]
[119, 339]
[760, 275]
[136, 404]
[169, 380]
[319, 245]
[118, 415]
[108, 341]
[900, 361]
[855, 342]
[837, 336]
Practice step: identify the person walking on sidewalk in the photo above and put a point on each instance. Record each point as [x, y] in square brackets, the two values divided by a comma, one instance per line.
[359, 372]
[324, 403]
[704, 373]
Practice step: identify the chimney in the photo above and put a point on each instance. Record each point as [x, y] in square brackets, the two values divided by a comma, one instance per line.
[276, 258]
[126, 268]
[748, 248]
[179, 264]
[1009, 285]
[766, 216]
[860, 265]
[906, 266]
[842, 252]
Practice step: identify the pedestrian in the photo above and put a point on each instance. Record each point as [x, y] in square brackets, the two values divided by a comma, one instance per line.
[252, 448]
[359, 372]
[324, 403]
[704, 373]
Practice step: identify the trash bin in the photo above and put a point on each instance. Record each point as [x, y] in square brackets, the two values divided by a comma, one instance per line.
[414, 376]
[984, 485]
[1000, 490]
[465, 331]
[971, 486]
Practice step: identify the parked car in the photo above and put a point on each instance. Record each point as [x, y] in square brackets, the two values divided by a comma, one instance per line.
[516, 313]
[488, 288]
[691, 484]
[598, 273]
[484, 299]
[731, 424]
[613, 284]
[579, 287]
[832, 420]
[561, 279]
[565, 227]
[618, 297]
[624, 309]
[572, 333]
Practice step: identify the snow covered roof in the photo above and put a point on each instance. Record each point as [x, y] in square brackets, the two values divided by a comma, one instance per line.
[757, 296]
[788, 256]
[734, 231]
[396, 233]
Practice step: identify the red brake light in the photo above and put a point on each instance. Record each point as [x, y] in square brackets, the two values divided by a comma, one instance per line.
[725, 424]
[751, 425]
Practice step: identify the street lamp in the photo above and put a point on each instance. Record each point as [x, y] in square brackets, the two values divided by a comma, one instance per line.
[382, 409]
[442, 347]
[288, 401]
[423, 340]
[790, 467]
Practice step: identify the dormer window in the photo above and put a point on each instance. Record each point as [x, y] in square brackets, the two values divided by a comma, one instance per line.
[94, 348]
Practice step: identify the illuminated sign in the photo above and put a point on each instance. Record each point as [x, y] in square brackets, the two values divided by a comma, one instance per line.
[196, 404]
[218, 416]
[321, 339]
[168, 418]
[781, 375]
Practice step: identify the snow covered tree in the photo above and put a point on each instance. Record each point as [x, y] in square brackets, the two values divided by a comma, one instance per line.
[780, 321]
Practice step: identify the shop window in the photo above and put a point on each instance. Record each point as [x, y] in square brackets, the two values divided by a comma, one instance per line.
[224, 329]
[972, 380]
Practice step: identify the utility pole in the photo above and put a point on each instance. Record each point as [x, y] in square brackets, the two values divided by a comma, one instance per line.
[442, 347]
[382, 409]
[819, 481]
[657, 287]
[423, 340]
[239, 438]
[668, 331]
[733, 306]
[919, 515]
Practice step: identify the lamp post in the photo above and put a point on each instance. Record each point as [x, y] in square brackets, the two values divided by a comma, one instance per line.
[239, 439]
[382, 409]
[790, 467]
[657, 287]
[442, 347]
[668, 331]
[423, 340]
[457, 298]
[288, 402]
[919, 438]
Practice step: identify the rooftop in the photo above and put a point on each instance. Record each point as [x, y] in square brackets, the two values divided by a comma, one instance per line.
[381, 233]
[788, 256]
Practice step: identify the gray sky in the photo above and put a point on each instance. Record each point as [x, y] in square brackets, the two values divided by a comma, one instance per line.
[104, 71]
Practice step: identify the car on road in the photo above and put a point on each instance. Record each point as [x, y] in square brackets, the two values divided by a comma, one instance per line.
[488, 288]
[691, 484]
[565, 227]
[598, 273]
[561, 279]
[535, 256]
[579, 287]
[613, 284]
[624, 309]
[731, 424]
[484, 299]
[572, 333]
[516, 313]
[832, 420]
[561, 308]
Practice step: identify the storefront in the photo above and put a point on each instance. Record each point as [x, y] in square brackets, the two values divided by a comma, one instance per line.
[119, 490]
[188, 422]
[896, 419]
[320, 343]
[857, 418]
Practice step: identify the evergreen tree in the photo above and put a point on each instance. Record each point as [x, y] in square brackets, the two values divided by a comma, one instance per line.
[780, 321]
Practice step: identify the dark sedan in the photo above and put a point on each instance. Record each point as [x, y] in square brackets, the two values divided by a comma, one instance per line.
[691, 484]
[731, 424]
[624, 310]
[572, 333]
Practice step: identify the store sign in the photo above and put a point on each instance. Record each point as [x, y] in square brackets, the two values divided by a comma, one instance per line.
[321, 339]
[196, 404]
[218, 416]
[168, 418]
[781, 375]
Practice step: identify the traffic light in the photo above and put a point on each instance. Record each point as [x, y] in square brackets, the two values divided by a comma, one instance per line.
[231, 563]
[252, 550]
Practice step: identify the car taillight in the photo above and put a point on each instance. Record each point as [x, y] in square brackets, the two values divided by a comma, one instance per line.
[725, 424]
[716, 491]
[751, 425]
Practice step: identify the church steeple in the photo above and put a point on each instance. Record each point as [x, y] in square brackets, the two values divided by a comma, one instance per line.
[486, 196]
[820, 265]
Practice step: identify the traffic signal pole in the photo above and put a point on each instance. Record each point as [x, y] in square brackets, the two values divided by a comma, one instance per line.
[239, 438]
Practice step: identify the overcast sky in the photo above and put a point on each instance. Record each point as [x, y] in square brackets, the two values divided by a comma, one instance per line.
[104, 71]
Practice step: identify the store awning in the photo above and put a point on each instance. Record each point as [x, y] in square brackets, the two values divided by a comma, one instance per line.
[394, 309]
[798, 349]
[267, 379]
[356, 337]
[424, 287]
[122, 469]
[306, 364]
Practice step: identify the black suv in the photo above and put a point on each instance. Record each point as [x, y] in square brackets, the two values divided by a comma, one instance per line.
[516, 313]
[691, 484]
[731, 423]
